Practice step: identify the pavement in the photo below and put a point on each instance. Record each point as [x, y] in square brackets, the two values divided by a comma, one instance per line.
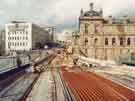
[47, 88]
[122, 75]
[42, 90]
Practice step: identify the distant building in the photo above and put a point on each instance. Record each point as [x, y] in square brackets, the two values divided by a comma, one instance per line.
[109, 39]
[65, 37]
[2, 42]
[51, 31]
[24, 36]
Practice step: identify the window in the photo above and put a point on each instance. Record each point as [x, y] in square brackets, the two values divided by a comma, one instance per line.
[23, 44]
[86, 28]
[26, 38]
[113, 41]
[128, 41]
[121, 41]
[86, 51]
[106, 41]
[17, 25]
[9, 44]
[134, 41]
[26, 32]
[95, 41]
[86, 41]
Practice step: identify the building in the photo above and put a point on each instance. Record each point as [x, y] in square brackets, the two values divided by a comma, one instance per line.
[64, 38]
[51, 30]
[2, 42]
[24, 36]
[108, 39]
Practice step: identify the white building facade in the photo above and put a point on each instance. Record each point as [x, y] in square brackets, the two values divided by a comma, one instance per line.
[18, 36]
[64, 37]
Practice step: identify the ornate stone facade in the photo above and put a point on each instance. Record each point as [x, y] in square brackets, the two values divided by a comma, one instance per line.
[109, 39]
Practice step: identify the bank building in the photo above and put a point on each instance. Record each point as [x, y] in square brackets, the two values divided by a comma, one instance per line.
[106, 39]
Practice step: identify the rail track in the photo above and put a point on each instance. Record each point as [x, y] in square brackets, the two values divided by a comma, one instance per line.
[17, 89]
[44, 62]
[60, 86]
[89, 86]
[9, 80]
[18, 86]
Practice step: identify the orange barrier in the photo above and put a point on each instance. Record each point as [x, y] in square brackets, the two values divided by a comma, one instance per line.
[87, 86]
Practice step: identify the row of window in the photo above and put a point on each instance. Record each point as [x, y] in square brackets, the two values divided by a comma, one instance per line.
[122, 41]
[18, 32]
[96, 28]
[18, 38]
[17, 44]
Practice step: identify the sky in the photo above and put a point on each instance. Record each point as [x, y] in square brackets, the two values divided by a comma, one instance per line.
[62, 14]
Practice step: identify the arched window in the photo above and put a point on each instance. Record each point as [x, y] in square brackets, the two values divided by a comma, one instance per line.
[121, 41]
[128, 41]
[106, 41]
[113, 41]
[86, 28]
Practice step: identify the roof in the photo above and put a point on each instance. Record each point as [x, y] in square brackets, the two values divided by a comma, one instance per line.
[92, 12]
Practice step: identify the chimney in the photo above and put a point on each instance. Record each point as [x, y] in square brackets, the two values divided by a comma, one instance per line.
[125, 20]
[110, 19]
[81, 12]
[101, 12]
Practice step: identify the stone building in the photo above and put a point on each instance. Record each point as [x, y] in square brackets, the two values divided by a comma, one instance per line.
[24, 36]
[109, 39]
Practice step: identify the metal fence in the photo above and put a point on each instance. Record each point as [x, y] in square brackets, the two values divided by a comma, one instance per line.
[7, 63]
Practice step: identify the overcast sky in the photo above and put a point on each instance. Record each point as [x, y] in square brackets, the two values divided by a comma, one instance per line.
[60, 13]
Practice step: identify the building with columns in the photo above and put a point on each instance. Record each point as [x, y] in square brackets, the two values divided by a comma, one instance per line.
[107, 39]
